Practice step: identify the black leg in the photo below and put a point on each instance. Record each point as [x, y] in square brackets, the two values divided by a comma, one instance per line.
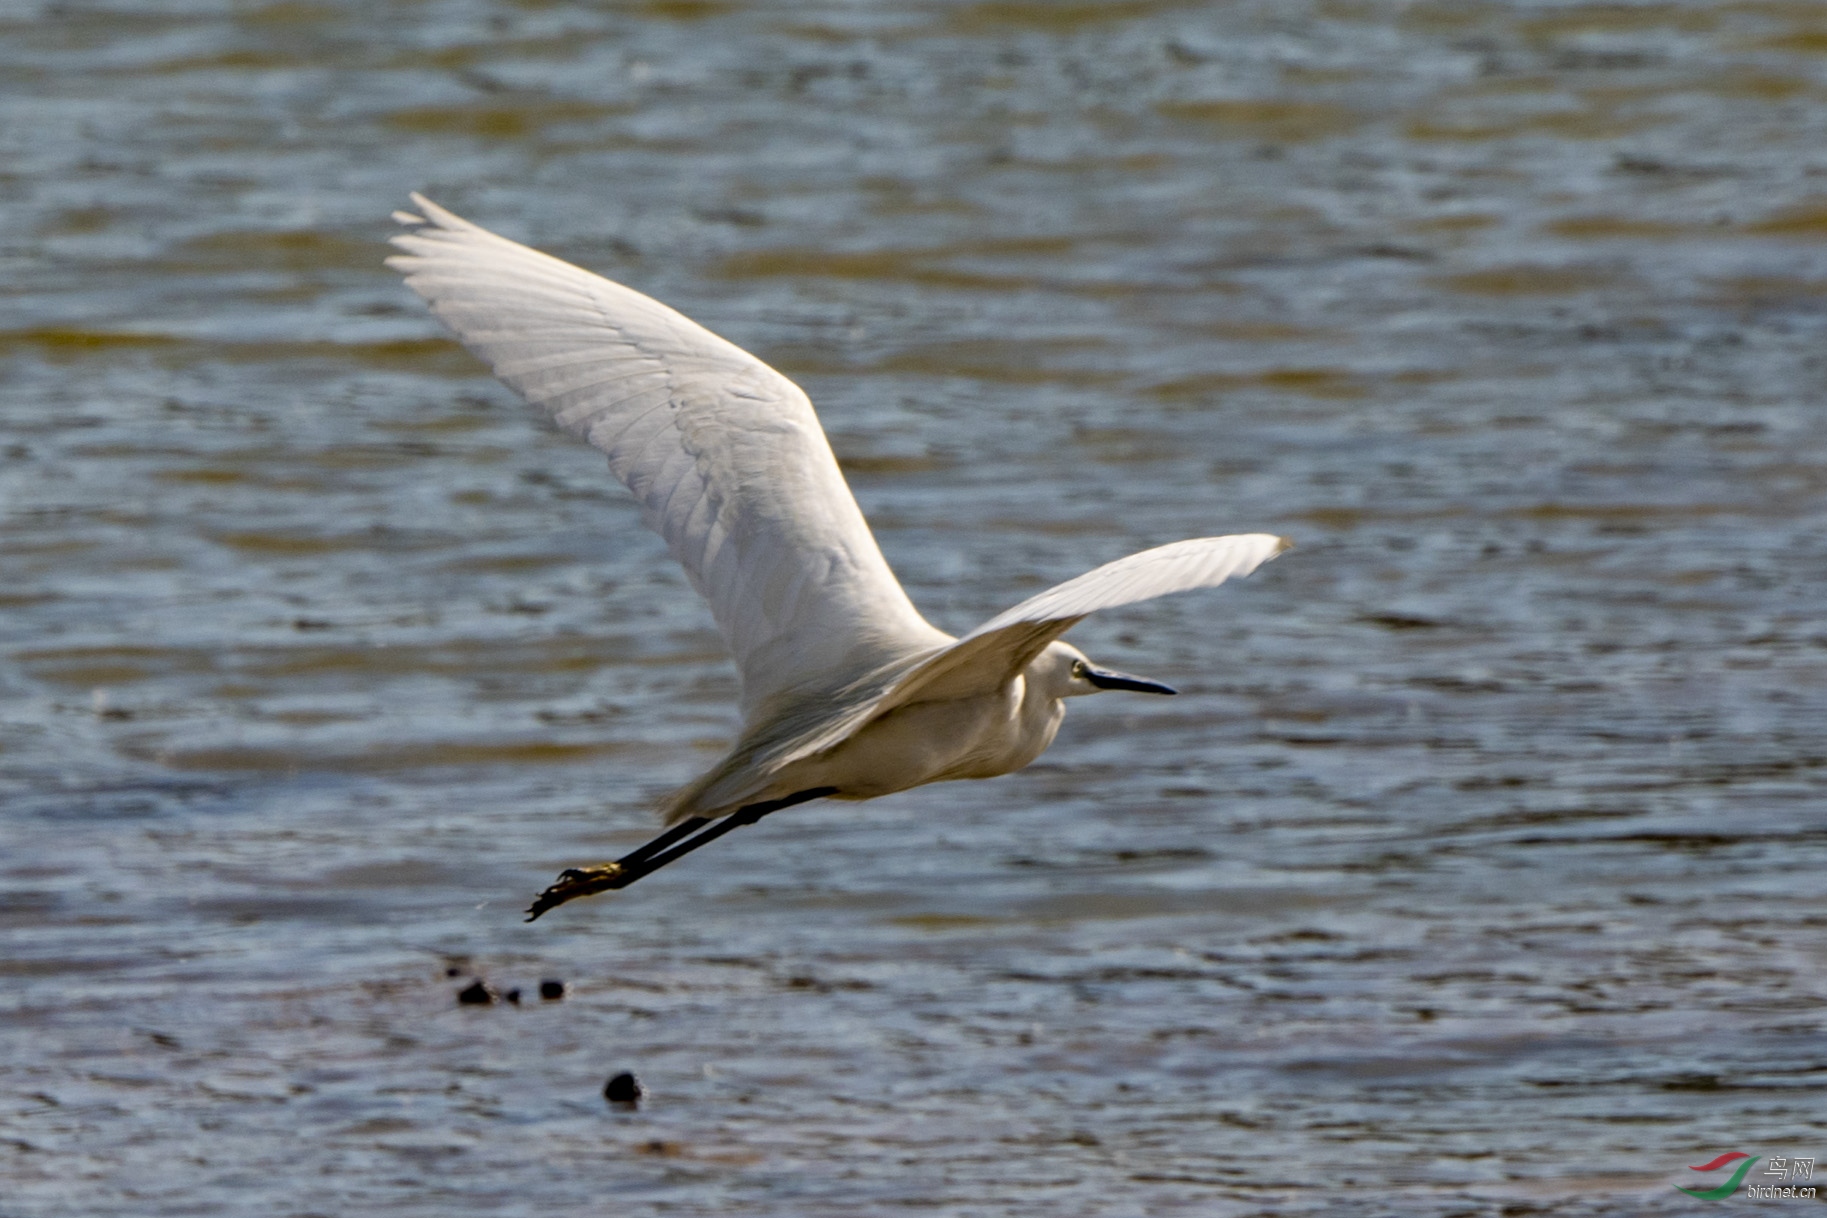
[735, 820]
[584, 881]
[648, 849]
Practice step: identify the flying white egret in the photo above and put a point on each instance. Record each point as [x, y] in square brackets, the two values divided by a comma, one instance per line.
[847, 692]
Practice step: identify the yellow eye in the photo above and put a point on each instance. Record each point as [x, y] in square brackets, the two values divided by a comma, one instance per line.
[1078, 669]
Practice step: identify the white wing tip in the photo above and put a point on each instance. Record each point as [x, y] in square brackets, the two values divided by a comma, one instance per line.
[419, 226]
[1267, 545]
[430, 214]
[1259, 547]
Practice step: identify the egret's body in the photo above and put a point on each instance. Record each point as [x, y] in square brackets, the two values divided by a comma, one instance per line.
[979, 735]
[847, 692]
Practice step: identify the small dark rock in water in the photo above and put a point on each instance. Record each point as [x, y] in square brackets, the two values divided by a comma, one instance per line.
[624, 1088]
[552, 989]
[480, 993]
[513, 995]
[453, 971]
[661, 1147]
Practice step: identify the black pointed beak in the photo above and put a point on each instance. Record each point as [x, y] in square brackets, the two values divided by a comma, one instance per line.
[1103, 678]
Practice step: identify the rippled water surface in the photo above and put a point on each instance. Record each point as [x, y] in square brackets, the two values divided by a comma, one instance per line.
[1478, 869]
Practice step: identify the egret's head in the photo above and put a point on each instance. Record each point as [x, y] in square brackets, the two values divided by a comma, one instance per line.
[1069, 673]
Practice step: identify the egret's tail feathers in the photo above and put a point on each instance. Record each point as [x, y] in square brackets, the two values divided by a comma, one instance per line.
[781, 733]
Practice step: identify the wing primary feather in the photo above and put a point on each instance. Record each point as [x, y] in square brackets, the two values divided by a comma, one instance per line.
[725, 455]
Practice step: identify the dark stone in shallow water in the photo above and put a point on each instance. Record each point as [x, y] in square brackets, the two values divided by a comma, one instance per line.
[552, 989]
[513, 995]
[624, 1088]
[479, 993]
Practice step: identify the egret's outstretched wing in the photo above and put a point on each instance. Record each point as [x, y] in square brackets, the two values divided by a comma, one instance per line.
[724, 454]
[989, 655]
